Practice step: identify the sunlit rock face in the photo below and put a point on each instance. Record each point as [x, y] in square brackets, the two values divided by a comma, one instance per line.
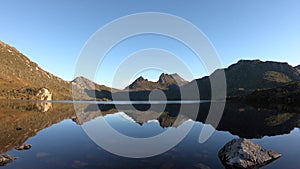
[44, 94]
[242, 153]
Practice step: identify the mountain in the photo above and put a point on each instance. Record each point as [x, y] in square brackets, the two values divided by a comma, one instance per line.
[143, 84]
[164, 81]
[172, 79]
[286, 95]
[84, 83]
[248, 75]
[84, 88]
[20, 78]
[298, 68]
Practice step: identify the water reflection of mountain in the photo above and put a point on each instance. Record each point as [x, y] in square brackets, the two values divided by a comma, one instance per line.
[254, 122]
[239, 119]
[22, 120]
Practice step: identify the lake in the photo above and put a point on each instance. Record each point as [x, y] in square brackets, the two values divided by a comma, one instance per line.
[59, 134]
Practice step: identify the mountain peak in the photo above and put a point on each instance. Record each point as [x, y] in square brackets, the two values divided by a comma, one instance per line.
[84, 83]
[169, 79]
[248, 61]
[140, 79]
[164, 81]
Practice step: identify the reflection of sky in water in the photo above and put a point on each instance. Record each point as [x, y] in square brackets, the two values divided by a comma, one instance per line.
[65, 145]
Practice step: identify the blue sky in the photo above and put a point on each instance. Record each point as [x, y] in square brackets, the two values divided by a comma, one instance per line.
[52, 33]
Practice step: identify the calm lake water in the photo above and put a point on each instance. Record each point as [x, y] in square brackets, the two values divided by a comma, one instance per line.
[56, 132]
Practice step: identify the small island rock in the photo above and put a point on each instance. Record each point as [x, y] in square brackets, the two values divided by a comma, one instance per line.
[242, 153]
[24, 147]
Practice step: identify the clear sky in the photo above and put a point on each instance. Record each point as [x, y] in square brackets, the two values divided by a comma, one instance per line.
[53, 32]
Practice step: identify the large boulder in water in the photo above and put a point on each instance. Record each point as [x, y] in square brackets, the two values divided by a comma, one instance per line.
[242, 153]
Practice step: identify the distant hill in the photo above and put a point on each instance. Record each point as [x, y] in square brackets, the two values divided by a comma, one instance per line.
[84, 86]
[84, 83]
[164, 81]
[19, 76]
[249, 75]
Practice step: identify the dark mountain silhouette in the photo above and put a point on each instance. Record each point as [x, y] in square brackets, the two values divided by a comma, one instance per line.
[163, 83]
[247, 76]
[298, 68]
[143, 84]
[287, 95]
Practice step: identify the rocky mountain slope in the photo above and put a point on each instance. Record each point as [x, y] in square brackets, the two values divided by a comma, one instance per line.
[84, 83]
[287, 95]
[249, 75]
[298, 68]
[172, 79]
[83, 88]
[164, 81]
[20, 78]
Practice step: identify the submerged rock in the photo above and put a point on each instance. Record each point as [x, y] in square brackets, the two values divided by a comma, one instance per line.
[4, 159]
[24, 147]
[242, 153]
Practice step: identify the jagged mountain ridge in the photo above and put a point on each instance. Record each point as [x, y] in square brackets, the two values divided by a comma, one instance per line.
[164, 81]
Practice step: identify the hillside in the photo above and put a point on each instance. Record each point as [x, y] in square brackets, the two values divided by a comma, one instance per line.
[298, 68]
[19, 76]
[249, 75]
[287, 95]
[163, 83]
